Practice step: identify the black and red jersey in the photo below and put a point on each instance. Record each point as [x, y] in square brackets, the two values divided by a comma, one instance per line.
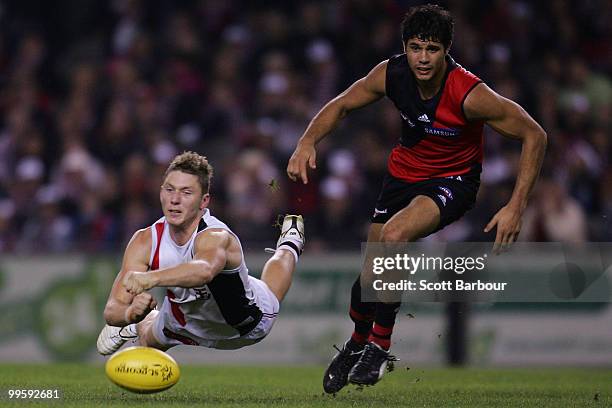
[437, 140]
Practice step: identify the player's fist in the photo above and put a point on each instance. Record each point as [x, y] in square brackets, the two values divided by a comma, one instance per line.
[141, 305]
[138, 282]
[303, 157]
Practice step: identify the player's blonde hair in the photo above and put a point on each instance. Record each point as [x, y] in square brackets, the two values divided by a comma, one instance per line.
[193, 163]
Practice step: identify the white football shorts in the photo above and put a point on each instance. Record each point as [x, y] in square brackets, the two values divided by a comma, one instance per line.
[265, 300]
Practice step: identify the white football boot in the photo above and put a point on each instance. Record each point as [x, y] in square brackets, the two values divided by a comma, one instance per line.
[292, 236]
[111, 338]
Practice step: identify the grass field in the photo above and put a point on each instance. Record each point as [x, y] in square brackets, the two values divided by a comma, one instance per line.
[87, 386]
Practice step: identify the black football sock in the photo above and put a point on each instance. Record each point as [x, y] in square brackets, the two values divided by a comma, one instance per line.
[362, 314]
[383, 324]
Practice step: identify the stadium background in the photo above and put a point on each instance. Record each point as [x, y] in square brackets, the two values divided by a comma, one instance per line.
[97, 97]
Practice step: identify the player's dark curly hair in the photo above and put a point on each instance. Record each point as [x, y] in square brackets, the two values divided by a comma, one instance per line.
[193, 163]
[428, 22]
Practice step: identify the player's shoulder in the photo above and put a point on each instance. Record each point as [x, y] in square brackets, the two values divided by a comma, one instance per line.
[397, 66]
[462, 74]
[397, 60]
[483, 103]
[142, 237]
[380, 68]
[459, 74]
[398, 78]
[214, 236]
[139, 247]
[376, 79]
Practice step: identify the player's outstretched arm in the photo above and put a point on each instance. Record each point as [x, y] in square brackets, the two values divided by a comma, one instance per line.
[361, 93]
[122, 307]
[215, 249]
[511, 120]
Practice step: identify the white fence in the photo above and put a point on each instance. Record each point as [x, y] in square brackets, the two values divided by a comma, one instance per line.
[51, 309]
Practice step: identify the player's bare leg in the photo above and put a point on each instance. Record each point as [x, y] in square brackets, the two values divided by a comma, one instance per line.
[278, 270]
[145, 332]
[417, 220]
[420, 218]
[362, 314]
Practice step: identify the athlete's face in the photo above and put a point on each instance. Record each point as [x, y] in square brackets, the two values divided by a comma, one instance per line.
[181, 198]
[425, 58]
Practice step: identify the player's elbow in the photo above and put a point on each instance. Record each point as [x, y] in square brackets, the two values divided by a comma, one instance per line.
[540, 139]
[536, 137]
[543, 136]
[203, 273]
[203, 278]
[338, 107]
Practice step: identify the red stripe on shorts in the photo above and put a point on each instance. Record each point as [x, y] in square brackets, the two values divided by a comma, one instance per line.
[182, 339]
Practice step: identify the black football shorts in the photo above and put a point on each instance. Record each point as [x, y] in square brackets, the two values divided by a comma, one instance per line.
[454, 196]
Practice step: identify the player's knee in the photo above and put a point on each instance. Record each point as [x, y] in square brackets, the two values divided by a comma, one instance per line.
[147, 339]
[144, 327]
[282, 258]
[367, 278]
[391, 233]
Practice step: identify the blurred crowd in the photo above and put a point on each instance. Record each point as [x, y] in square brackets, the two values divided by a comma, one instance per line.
[97, 97]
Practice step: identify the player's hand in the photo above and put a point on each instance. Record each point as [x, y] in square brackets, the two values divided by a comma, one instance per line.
[138, 282]
[141, 305]
[508, 222]
[303, 156]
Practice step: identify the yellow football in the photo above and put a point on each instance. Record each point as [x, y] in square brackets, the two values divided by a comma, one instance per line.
[143, 370]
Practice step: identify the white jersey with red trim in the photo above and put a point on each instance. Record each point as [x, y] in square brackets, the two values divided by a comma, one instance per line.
[225, 308]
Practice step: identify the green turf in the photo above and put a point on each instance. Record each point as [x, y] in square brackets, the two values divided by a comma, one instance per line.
[87, 386]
